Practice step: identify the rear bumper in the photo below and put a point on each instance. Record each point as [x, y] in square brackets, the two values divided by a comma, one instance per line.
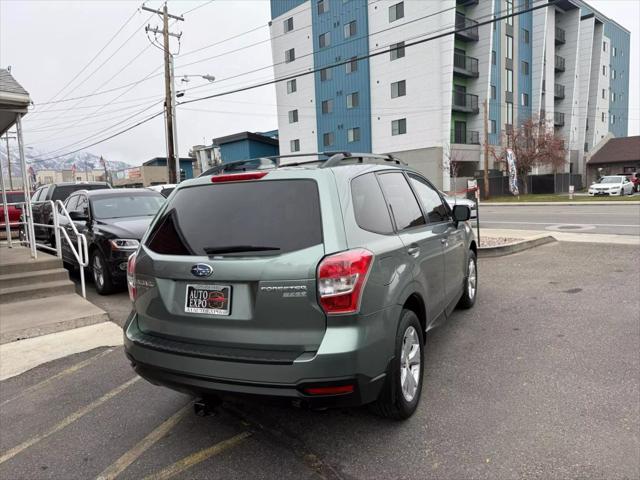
[357, 356]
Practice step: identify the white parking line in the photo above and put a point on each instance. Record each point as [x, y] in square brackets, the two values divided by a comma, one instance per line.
[67, 421]
[120, 465]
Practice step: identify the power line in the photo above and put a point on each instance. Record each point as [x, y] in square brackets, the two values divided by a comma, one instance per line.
[199, 6]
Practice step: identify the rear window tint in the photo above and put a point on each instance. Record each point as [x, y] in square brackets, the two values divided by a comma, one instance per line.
[403, 203]
[15, 197]
[62, 192]
[369, 206]
[279, 214]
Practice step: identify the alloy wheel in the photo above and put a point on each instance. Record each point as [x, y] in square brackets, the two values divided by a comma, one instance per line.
[98, 271]
[473, 280]
[410, 364]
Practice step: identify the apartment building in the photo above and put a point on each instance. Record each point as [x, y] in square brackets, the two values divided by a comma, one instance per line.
[374, 86]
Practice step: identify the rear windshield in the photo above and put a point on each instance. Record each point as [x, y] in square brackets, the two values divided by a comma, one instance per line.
[62, 192]
[15, 197]
[132, 205]
[247, 218]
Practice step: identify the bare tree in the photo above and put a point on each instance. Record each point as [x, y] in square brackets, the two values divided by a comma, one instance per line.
[534, 144]
[454, 161]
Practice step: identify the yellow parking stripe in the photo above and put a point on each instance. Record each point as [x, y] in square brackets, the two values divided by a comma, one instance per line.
[63, 373]
[198, 457]
[132, 455]
[67, 421]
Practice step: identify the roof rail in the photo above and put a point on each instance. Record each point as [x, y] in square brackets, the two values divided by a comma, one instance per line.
[330, 159]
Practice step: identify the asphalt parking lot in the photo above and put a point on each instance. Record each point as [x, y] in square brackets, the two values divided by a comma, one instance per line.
[540, 380]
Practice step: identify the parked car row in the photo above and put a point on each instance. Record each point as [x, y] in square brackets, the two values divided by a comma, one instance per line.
[612, 185]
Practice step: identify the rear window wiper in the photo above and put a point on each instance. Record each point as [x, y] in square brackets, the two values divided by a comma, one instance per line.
[238, 248]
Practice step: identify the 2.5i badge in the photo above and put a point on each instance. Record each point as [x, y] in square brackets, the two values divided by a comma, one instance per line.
[208, 299]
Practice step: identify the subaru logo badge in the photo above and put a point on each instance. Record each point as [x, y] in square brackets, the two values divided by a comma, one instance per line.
[201, 270]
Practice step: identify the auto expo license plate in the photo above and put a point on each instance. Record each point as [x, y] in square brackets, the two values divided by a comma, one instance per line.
[208, 299]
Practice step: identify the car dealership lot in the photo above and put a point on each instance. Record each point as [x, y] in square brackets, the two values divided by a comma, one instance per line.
[540, 380]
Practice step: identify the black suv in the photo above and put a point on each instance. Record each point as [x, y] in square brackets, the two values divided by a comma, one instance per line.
[55, 191]
[113, 221]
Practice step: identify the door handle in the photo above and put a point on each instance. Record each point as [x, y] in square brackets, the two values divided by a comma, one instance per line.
[444, 241]
[413, 250]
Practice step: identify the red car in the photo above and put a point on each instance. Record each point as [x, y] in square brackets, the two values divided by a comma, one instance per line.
[15, 211]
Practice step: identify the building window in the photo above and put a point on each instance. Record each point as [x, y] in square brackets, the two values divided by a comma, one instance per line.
[328, 139]
[493, 57]
[353, 100]
[327, 106]
[604, 70]
[350, 29]
[352, 65]
[509, 113]
[525, 99]
[525, 68]
[294, 145]
[613, 119]
[288, 24]
[613, 74]
[604, 93]
[290, 55]
[604, 117]
[509, 80]
[492, 126]
[396, 12]
[399, 127]
[604, 46]
[324, 40]
[525, 35]
[397, 51]
[509, 12]
[509, 47]
[399, 89]
[325, 74]
[613, 96]
[614, 51]
[493, 92]
[293, 116]
[292, 86]
[353, 134]
[323, 6]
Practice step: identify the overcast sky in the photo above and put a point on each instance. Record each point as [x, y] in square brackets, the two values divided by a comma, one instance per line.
[48, 42]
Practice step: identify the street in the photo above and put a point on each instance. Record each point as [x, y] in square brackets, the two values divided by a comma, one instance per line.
[616, 218]
[539, 380]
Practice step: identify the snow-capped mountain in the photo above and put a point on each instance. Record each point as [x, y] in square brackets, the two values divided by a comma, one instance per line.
[38, 160]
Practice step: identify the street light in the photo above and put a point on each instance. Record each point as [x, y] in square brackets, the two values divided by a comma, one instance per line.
[186, 79]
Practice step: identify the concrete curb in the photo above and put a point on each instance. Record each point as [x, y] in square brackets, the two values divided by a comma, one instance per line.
[501, 250]
[528, 204]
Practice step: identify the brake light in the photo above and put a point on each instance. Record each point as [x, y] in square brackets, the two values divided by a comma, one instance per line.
[341, 279]
[334, 390]
[131, 277]
[237, 177]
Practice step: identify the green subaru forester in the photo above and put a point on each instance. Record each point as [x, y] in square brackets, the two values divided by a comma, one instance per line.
[313, 281]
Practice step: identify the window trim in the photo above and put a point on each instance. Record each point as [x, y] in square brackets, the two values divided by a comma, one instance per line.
[405, 126]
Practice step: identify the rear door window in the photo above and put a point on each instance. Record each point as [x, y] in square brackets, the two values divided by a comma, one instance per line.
[63, 191]
[403, 203]
[369, 206]
[240, 218]
[434, 207]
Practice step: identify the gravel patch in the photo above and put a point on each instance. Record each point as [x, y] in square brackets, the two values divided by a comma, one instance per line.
[497, 241]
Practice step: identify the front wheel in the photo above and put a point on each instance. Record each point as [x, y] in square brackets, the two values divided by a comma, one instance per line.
[401, 393]
[101, 274]
[468, 298]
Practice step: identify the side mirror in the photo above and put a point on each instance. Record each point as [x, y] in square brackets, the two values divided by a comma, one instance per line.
[78, 216]
[461, 213]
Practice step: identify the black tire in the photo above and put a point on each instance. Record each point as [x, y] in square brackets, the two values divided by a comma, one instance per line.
[391, 402]
[100, 273]
[52, 237]
[468, 298]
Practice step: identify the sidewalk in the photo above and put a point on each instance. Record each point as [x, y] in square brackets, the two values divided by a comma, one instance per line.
[561, 236]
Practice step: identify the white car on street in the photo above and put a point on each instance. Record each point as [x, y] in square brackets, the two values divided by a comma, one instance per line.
[612, 185]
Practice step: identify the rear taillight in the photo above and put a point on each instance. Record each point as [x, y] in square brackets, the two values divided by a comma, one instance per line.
[341, 279]
[237, 177]
[131, 277]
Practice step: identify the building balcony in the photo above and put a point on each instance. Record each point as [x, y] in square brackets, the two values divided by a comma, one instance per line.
[466, 3]
[468, 137]
[558, 119]
[558, 91]
[466, 29]
[465, 66]
[559, 64]
[465, 103]
[560, 36]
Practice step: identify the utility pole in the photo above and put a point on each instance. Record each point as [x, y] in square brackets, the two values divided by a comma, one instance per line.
[169, 89]
[486, 149]
[7, 137]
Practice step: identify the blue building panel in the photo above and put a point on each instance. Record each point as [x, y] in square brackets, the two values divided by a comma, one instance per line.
[618, 86]
[280, 7]
[524, 55]
[246, 145]
[496, 81]
[342, 84]
[186, 164]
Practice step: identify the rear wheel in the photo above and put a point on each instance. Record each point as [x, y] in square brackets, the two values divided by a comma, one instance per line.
[468, 298]
[101, 274]
[401, 393]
